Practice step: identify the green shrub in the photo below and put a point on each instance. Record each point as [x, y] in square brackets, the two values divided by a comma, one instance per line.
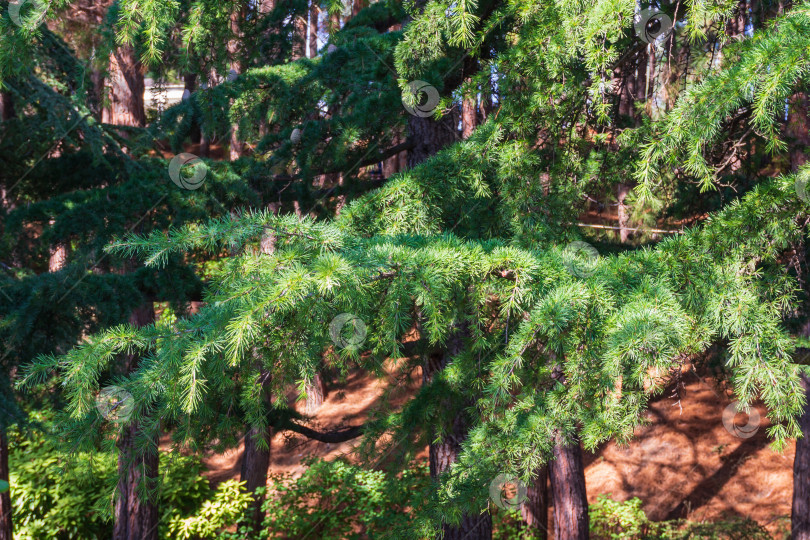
[226, 509]
[335, 499]
[507, 525]
[183, 490]
[56, 498]
[612, 520]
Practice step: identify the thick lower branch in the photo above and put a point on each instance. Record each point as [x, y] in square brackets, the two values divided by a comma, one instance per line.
[336, 436]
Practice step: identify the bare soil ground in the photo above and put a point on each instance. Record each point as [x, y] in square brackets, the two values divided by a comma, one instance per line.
[684, 464]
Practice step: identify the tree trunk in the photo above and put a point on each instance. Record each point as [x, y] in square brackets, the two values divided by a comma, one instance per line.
[255, 462]
[313, 30]
[534, 511]
[190, 86]
[136, 517]
[635, 81]
[300, 36]
[96, 97]
[236, 146]
[7, 111]
[567, 476]
[57, 255]
[6, 526]
[126, 106]
[469, 116]
[800, 512]
[429, 137]
[391, 166]
[358, 5]
[206, 138]
[797, 131]
[622, 191]
[443, 453]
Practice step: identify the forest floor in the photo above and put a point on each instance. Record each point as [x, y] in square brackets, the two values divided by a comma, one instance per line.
[683, 464]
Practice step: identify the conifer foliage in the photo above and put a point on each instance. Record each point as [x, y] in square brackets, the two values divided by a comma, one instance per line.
[361, 221]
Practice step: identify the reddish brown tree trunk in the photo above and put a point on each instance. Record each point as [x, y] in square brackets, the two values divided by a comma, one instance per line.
[394, 164]
[622, 191]
[313, 30]
[443, 453]
[797, 131]
[357, 5]
[429, 136]
[96, 97]
[634, 88]
[300, 36]
[236, 146]
[255, 462]
[469, 116]
[190, 86]
[126, 107]
[57, 256]
[800, 512]
[534, 511]
[6, 524]
[7, 111]
[136, 516]
[567, 476]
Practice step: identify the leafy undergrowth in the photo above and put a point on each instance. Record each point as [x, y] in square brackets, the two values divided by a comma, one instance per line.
[70, 496]
[58, 498]
[337, 499]
[615, 520]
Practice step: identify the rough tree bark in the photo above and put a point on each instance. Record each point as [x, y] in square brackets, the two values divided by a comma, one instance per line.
[313, 30]
[255, 462]
[567, 476]
[429, 136]
[534, 511]
[800, 511]
[236, 146]
[97, 93]
[6, 526]
[300, 37]
[136, 518]
[798, 136]
[57, 255]
[358, 5]
[445, 452]
[797, 131]
[469, 116]
[7, 111]
[190, 86]
[622, 190]
[126, 107]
